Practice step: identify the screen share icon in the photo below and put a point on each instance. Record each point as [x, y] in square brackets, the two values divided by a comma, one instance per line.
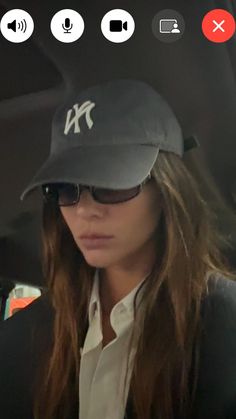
[168, 25]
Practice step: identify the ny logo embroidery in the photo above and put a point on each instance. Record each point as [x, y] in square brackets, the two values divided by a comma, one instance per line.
[84, 109]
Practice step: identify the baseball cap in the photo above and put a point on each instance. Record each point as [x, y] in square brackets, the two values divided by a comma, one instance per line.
[109, 136]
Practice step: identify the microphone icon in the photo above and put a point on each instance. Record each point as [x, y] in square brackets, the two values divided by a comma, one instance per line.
[67, 25]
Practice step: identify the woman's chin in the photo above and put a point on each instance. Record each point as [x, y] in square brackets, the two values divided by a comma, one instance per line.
[96, 259]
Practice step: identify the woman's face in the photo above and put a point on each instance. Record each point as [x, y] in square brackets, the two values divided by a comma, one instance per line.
[131, 224]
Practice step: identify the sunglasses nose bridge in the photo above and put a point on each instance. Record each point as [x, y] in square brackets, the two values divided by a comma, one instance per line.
[81, 188]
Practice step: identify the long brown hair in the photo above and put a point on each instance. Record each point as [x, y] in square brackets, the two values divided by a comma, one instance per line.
[189, 250]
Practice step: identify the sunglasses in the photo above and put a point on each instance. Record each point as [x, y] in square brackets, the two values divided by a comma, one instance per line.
[67, 194]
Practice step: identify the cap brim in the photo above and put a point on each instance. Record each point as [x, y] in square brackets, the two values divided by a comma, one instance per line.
[113, 166]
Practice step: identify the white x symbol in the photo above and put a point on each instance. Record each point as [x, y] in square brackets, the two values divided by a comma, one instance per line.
[218, 26]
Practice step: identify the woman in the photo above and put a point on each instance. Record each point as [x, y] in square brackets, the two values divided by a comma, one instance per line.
[133, 327]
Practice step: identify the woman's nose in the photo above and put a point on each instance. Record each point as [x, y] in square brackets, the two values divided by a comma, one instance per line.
[87, 206]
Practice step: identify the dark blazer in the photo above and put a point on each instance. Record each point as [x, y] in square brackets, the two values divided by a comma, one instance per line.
[216, 390]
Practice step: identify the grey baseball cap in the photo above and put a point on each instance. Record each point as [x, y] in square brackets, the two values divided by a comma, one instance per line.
[109, 135]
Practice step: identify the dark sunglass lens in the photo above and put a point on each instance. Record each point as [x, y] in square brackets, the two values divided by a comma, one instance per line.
[49, 192]
[67, 194]
[112, 196]
[61, 193]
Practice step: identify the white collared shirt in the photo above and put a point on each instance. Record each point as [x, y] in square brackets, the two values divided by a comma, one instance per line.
[102, 370]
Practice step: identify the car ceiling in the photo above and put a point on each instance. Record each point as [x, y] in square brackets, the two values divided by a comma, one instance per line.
[197, 77]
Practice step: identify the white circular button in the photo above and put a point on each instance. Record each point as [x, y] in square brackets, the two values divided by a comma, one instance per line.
[117, 25]
[17, 25]
[67, 25]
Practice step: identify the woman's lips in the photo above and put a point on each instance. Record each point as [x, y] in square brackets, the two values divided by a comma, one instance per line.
[95, 242]
[95, 236]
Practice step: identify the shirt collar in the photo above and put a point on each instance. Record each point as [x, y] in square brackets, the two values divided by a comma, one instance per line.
[126, 302]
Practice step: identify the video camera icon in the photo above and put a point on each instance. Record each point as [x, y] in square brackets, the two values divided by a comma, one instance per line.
[118, 25]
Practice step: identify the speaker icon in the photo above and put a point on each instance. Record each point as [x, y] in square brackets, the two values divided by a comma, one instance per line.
[21, 26]
[17, 25]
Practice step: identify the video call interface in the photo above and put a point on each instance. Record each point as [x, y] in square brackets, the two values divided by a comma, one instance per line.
[185, 50]
[127, 110]
[117, 25]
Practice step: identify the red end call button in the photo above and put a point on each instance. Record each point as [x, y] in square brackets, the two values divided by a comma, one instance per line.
[218, 25]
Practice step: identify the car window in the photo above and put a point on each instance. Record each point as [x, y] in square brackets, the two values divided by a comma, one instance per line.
[20, 297]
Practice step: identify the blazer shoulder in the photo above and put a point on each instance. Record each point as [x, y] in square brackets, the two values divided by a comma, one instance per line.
[216, 392]
[218, 283]
[22, 325]
[220, 300]
[24, 337]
